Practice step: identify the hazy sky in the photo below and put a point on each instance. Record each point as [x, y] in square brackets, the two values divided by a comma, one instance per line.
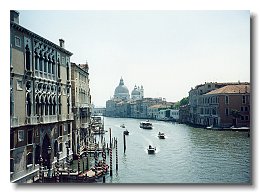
[167, 52]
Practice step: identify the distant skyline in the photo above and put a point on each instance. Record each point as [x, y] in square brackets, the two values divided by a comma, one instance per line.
[167, 52]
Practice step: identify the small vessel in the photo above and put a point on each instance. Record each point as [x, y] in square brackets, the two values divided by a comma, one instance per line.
[161, 135]
[146, 125]
[210, 127]
[151, 150]
[123, 125]
[126, 132]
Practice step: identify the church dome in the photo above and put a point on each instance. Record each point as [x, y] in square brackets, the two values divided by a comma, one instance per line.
[135, 91]
[121, 91]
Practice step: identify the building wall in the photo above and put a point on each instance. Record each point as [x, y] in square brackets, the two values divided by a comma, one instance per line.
[31, 131]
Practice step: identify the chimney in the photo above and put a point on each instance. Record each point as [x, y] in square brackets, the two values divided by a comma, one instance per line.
[62, 43]
[14, 16]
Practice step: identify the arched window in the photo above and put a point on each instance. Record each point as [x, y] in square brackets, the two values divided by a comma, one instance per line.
[68, 71]
[27, 58]
[41, 62]
[55, 148]
[50, 105]
[29, 158]
[37, 155]
[58, 67]
[54, 105]
[36, 59]
[49, 65]
[60, 147]
[68, 105]
[59, 105]
[46, 105]
[28, 105]
[42, 106]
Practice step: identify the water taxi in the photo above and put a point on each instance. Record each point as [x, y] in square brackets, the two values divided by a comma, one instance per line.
[151, 150]
[161, 135]
[146, 125]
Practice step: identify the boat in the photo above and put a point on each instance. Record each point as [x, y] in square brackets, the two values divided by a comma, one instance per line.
[146, 125]
[123, 125]
[161, 135]
[126, 132]
[210, 127]
[151, 150]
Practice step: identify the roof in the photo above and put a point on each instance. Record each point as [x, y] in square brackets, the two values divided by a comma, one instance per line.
[231, 89]
[24, 30]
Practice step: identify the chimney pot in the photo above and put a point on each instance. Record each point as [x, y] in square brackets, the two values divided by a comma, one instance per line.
[62, 43]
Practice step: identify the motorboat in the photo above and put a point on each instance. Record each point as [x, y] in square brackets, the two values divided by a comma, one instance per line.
[123, 125]
[126, 132]
[151, 150]
[161, 135]
[146, 125]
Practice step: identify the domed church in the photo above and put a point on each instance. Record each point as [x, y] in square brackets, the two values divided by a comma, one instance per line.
[121, 91]
[137, 93]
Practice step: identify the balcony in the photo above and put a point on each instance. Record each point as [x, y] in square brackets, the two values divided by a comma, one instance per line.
[14, 121]
[70, 116]
[31, 120]
[47, 119]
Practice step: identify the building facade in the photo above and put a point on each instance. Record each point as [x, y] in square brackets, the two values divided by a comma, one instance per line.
[81, 104]
[40, 103]
[207, 101]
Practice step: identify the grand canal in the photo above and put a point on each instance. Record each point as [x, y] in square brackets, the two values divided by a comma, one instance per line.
[187, 155]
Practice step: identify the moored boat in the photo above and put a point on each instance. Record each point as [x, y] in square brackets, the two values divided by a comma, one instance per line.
[151, 150]
[146, 125]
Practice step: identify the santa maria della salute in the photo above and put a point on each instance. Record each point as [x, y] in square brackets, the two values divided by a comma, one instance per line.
[122, 92]
[136, 106]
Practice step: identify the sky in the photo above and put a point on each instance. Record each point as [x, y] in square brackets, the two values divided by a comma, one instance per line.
[167, 52]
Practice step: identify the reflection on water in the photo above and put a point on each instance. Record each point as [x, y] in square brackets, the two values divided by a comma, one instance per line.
[187, 155]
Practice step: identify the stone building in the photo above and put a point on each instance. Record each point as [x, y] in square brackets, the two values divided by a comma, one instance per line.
[227, 106]
[81, 104]
[40, 102]
[204, 109]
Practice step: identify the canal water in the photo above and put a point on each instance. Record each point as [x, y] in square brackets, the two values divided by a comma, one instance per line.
[186, 155]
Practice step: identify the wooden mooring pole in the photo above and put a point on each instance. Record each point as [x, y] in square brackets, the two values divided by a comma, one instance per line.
[110, 161]
[116, 156]
[124, 143]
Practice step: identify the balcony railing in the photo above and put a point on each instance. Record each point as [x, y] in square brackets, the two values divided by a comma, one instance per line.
[31, 120]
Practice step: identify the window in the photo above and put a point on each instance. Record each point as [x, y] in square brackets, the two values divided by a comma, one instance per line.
[20, 135]
[242, 118]
[246, 108]
[246, 118]
[244, 99]
[60, 131]
[19, 85]
[27, 58]
[226, 100]
[11, 164]
[227, 112]
[29, 136]
[17, 41]
[12, 140]
[60, 147]
[29, 158]
[242, 109]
